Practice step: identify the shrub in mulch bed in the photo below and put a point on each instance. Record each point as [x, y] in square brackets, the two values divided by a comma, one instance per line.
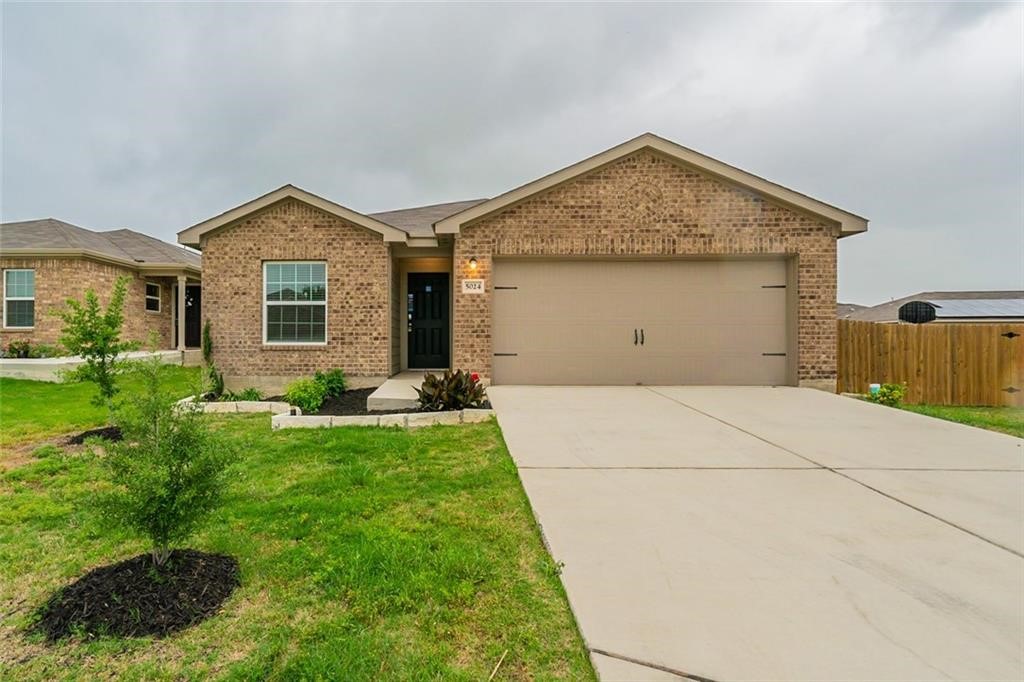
[353, 402]
[111, 433]
[133, 598]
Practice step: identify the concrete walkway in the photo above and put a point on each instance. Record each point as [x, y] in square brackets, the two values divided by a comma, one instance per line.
[775, 533]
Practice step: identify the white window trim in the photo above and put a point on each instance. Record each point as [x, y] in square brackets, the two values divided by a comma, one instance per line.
[159, 298]
[266, 303]
[19, 298]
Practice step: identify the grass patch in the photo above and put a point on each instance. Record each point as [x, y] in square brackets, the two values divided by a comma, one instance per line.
[32, 410]
[365, 553]
[1003, 419]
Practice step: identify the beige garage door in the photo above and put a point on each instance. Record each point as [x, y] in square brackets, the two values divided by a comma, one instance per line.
[655, 322]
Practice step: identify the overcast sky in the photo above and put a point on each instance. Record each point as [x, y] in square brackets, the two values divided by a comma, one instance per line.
[155, 117]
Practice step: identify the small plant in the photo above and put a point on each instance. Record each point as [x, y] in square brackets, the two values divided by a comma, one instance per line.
[306, 394]
[207, 344]
[19, 349]
[245, 394]
[95, 335]
[215, 381]
[890, 395]
[451, 391]
[43, 350]
[168, 474]
[333, 382]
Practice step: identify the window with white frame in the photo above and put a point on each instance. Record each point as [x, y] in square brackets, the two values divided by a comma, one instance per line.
[19, 298]
[295, 302]
[153, 297]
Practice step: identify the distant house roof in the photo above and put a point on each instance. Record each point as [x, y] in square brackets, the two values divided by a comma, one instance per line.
[57, 238]
[419, 221]
[844, 310]
[950, 305]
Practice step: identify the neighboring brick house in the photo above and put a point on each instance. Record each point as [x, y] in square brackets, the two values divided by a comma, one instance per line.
[647, 263]
[45, 262]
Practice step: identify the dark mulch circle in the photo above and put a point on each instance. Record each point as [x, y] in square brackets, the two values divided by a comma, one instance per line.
[111, 433]
[133, 599]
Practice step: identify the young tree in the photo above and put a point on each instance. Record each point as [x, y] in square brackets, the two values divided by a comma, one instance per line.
[169, 471]
[95, 335]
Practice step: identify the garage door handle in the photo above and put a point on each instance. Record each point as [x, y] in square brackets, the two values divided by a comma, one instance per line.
[641, 337]
[636, 338]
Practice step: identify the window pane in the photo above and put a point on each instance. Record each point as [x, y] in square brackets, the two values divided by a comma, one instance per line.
[318, 273]
[20, 283]
[273, 272]
[318, 293]
[287, 272]
[153, 290]
[273, 291]
[302, 272]
[296, 323]
[21, 313]
[153, 304]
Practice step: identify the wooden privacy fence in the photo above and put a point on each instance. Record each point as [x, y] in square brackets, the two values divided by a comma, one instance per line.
[941, 363]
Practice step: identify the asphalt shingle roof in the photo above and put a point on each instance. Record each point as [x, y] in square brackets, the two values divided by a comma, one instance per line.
[127, 245]
[419, 221]
[889, 311]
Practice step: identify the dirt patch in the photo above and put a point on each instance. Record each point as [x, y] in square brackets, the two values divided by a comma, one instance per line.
[133, 598]
[111, 433]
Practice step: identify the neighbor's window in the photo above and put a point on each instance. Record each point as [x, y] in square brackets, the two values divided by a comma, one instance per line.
[19, 298]
[152, 297]
[295, 302]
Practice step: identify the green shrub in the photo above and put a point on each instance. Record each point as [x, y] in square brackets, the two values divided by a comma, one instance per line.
[333, 382]
[215, 381]
[43, 350]
[95, 335]
[207, 344]
[18, 349]
[245, 394]
[306, 394]
[452, 391]
[889, 394]
[169, 472]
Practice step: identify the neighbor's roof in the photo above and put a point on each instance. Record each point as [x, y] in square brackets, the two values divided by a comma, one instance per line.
[844, 310]
[419, 221]
[127, 247]
[848, 223]
[948, 301]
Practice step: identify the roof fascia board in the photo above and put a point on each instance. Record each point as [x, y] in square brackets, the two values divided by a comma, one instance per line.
[97, 256]
[848, 223]
[191, 235]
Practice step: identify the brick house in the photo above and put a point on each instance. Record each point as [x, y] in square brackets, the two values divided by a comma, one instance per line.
[45, 262]
[647, 263]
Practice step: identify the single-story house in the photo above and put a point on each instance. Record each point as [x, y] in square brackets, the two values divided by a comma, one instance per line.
[948, 306]
[648, 263]
[45, 262]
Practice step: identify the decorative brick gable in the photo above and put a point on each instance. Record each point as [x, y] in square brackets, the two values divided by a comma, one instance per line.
[358, 283]
[647, 205]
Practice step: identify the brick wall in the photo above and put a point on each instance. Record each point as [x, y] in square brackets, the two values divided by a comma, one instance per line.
[358, 283]
[58, 279]
[646, 204]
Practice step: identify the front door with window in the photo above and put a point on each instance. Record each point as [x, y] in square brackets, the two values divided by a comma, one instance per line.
[428, 320]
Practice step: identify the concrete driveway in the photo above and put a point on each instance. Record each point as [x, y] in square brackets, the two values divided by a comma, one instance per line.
[775, 533]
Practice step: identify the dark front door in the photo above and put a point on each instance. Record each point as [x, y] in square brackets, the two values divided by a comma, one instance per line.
[428, 320]
[193, 315]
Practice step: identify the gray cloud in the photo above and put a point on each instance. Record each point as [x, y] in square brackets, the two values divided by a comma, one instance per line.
[157, 116]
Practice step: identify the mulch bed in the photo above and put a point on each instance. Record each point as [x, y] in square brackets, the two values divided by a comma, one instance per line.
[353, 402]
[133, 599]
[111, 433]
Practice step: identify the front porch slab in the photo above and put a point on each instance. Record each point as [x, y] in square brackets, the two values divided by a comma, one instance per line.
[397, 393]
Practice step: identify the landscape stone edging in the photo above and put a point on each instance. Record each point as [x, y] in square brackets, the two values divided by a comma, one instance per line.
[409, 420]
[243, 406]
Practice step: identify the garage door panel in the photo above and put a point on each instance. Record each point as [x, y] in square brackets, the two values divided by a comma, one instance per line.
[704, 322]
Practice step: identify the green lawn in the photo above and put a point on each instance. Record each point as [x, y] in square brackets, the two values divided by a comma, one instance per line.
[365, 554]
[31, 410]
[1003, 419]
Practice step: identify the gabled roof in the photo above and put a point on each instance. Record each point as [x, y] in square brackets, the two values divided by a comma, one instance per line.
[51, 237]
[848, 223]
[190, 236]
[419, 221]
[889, 311]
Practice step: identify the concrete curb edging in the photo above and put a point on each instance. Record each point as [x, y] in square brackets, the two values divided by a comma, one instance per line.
[245, 406]
[409, 420]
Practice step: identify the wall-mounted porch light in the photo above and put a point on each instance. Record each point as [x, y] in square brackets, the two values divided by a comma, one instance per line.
[472, 263]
